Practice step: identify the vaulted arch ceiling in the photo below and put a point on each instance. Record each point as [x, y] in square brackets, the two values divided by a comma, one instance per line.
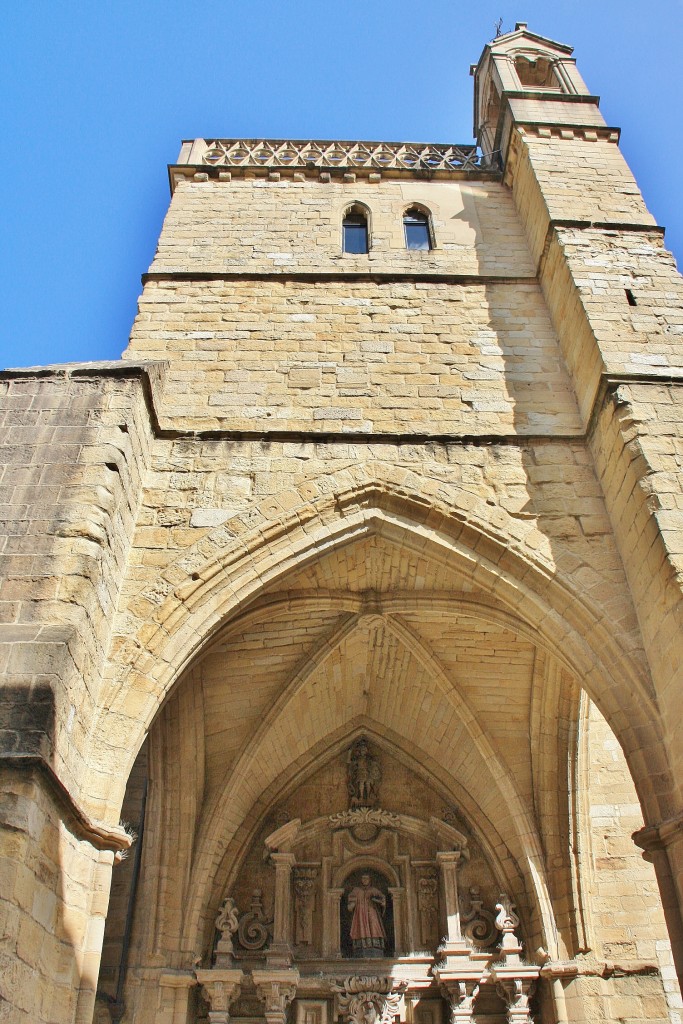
[406, 558]
[372, 636]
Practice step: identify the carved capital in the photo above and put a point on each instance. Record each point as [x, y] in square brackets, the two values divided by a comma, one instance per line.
[221, 988]
[276, 989]
[516, 993]
[460, 994]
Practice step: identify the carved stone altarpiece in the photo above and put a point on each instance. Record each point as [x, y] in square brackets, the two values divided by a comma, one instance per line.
[363, 886]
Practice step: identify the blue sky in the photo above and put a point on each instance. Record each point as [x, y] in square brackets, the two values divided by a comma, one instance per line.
[97, 96]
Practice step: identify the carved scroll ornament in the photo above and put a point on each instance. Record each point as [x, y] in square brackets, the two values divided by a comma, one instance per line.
[479, 925]
[371, 1000]
[254, 928]
[227, 923]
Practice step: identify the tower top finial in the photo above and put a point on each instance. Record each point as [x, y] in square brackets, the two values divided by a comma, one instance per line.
[527, 78]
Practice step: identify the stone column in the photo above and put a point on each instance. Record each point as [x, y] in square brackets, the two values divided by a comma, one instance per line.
[280, 951]
[221, 988]
[448, 864]
[398, 900]
[276, 989]
[331, 925]
[662, 847]
[174, 991]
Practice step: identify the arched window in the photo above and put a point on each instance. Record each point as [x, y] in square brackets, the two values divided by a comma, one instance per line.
[355, 230]
[536, 73]
[416, 227]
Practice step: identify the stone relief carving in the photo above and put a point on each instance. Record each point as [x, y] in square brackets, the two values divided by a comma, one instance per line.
[304, 898]
[254, 928]
[506, 920]
[364, 816]
[364, 822]
[371, 1000]
[479, 925]
[227, 923]
[427, 902]
[363, 775]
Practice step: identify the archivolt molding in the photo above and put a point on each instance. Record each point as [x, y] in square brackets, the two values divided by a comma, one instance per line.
[228, 568]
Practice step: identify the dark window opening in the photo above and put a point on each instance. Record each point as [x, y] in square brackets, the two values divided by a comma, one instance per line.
[355, 233]
[632, 301]
[416, 227]
[536, 74]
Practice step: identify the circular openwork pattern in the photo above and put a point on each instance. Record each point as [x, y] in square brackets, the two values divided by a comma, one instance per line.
[382, 155]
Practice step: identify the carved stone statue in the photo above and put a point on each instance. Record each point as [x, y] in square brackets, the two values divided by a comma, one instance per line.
[367, 904]
[363, 775]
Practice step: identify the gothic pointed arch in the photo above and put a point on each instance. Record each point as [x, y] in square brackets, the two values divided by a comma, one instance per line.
[230, 568]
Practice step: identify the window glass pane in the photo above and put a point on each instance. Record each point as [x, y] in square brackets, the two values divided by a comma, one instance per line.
[355, 234]
[417, 233]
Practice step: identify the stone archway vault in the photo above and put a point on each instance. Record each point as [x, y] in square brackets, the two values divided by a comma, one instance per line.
[228, 574]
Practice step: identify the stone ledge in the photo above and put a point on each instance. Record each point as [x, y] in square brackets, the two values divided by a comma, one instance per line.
[100, 836]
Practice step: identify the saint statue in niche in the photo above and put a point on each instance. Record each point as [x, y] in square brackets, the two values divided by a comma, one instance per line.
[363, 775]
[367, 928]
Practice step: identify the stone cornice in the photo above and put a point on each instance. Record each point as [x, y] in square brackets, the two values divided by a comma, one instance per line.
[100, 836]
[654, 838]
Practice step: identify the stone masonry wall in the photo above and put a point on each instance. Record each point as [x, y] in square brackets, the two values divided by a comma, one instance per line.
[625, 902]
[252, 224]
[74, 447]
[355, 356]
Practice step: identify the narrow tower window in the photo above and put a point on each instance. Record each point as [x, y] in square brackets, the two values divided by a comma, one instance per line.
[416, 227]
[355, 231]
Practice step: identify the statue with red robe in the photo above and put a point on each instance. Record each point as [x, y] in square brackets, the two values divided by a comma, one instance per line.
[367, 904]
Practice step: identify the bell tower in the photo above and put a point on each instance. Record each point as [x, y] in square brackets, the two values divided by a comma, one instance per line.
[610, 287]
[524, 78]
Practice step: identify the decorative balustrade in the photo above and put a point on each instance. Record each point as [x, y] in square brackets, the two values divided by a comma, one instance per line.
[375, 156]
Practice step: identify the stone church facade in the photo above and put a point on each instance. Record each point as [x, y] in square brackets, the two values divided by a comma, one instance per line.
[341, 618]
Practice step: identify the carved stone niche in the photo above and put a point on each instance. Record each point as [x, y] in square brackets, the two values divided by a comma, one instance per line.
[373, 893]
[361, 884]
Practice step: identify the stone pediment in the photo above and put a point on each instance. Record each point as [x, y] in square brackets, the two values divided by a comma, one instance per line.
[522, 38]
[365, 823]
